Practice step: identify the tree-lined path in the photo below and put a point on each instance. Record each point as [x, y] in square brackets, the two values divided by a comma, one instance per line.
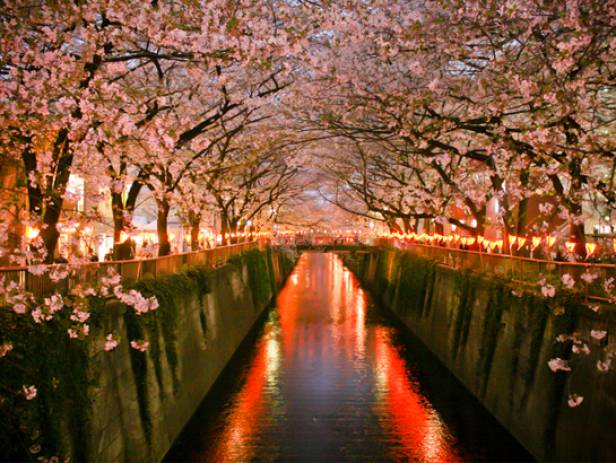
[146, 146]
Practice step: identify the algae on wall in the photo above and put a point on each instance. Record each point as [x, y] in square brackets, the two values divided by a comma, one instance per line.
[127, 404]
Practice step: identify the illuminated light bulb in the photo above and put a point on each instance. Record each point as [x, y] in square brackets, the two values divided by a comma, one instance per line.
[550, 240]
[570, 245]
[536, 240]
[512, 239]
[521, 242]
[591, 248]
[32, 232]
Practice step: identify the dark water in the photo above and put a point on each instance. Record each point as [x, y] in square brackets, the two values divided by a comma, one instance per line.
[328, 378]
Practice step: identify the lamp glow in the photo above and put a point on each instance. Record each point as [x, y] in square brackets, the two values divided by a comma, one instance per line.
[32, 232]
[536, 240]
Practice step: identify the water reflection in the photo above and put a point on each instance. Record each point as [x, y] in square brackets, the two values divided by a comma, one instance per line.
[330, 380]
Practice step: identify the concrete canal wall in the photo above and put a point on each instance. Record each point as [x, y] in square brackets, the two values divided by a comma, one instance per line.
[127, 405]
[497, 340]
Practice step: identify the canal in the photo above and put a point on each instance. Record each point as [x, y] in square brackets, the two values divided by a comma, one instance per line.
[329, 377]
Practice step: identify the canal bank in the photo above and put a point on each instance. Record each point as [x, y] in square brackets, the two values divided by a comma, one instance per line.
[328, 378]
[130, 403]
[144, 400]
[497, 340]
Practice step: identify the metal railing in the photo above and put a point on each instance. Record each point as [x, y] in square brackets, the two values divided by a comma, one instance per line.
[130, 270]
[521, 269]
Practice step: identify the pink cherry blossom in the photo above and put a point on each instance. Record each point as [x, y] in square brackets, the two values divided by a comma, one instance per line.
[111, 343]
[140, 345]
[29, 392]
[558, 364]
[574, 400]
[588, 277]
[5, 348]
[580, 348]
[548, 290]
[598, 334]
[604, 366]
[568, 281]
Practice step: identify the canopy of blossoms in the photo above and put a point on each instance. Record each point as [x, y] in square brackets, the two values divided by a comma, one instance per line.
[237, 116]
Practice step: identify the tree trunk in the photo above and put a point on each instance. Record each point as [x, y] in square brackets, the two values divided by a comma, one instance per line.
[393, 225]
[194, 220]
[123, 211]
[117, 211]
[48, 206]
[164, 247]
[408, 227]
[576, 234]
[224, 227]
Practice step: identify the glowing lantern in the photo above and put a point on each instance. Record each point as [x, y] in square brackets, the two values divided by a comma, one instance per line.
[512, 240]
[536, 240]
[570, 245]
[456, 238]
[492, 245]
[550, 240]
[590, 248]
[486, 244]
[463, 240]
[471, 241]
[480, 239]
[521, 242]
[499, 244]
[32, 232]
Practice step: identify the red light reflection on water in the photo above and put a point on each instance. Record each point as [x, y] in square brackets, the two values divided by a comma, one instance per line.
[416, 429]
[242, 422]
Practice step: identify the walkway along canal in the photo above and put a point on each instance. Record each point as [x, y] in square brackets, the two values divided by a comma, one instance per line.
[329, 378]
